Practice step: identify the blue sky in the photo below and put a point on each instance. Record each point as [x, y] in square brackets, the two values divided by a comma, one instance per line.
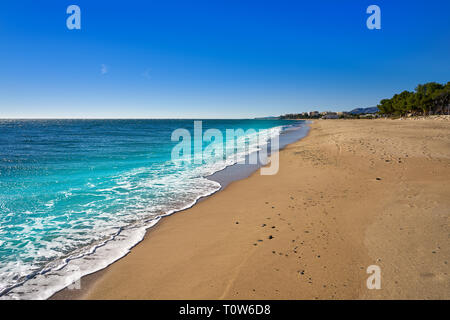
[214, 59]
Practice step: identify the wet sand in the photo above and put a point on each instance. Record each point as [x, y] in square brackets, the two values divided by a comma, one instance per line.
[353, 193]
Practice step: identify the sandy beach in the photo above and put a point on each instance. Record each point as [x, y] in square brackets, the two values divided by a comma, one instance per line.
[353, 193]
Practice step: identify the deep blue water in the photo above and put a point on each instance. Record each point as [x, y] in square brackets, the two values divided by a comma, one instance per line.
[69, 185]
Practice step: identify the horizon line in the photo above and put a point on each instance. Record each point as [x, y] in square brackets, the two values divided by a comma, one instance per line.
[200, 118]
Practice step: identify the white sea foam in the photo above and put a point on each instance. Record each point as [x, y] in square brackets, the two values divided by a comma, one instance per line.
[112, 245]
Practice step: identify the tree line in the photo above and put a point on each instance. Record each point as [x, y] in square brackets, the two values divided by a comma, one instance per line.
[427, 99]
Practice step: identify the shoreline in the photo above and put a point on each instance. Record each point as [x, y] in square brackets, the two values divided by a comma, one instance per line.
[224, 177]
[326, 227]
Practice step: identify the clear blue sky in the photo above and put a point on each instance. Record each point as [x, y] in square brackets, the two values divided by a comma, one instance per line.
[214, 59]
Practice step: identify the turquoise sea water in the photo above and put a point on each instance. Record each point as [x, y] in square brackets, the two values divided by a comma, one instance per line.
[75, 195]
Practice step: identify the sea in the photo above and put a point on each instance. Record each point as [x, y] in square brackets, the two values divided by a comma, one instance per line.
[77, 195]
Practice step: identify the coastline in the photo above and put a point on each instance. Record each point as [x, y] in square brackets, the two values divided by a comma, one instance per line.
[223, 177]
[328, 223]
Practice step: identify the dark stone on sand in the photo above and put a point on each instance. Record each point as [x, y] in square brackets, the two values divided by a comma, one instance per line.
[378, 178]
[270, 237]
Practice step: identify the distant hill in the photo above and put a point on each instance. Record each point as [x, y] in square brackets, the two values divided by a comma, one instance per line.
[267, 118]
[364, 110]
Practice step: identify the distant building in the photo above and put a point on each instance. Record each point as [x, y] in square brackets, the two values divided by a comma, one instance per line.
[331, 115]
[368, 115]
[314, 113]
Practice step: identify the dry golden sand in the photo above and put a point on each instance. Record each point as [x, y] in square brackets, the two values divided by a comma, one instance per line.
[330, 218]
